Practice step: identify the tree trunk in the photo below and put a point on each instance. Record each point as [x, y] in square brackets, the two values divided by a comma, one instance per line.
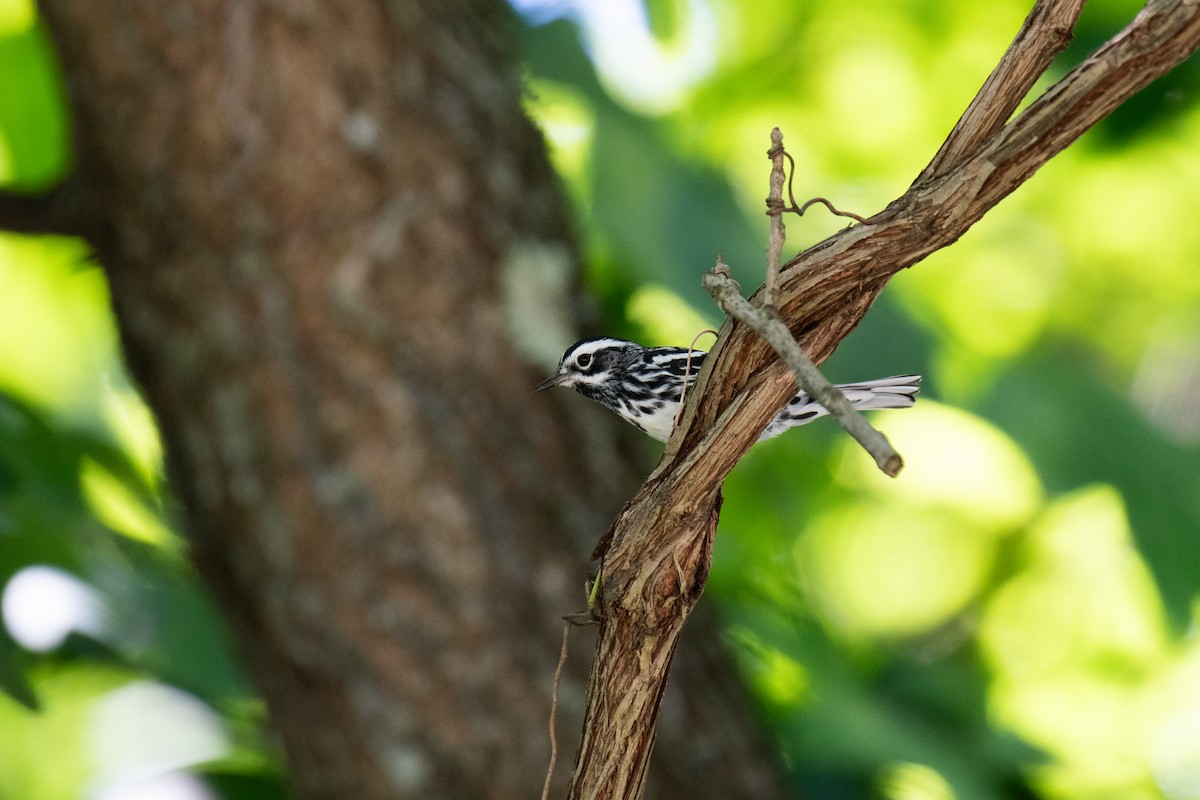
[307, 212]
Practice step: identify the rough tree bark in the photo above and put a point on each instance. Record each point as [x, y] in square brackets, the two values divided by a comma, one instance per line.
[304, 210]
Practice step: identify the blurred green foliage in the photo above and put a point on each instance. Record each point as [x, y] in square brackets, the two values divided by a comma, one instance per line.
[81, 494]
[1009, 619]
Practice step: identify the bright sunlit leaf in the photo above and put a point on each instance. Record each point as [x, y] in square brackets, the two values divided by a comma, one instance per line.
[878, 570]
[133, 426]
[952, 461]
[1083, 600]
[56, 332]
[56, 735]
[116, 506]
[1175, 753]
[1073, 637]
[780, 679]
[667, 319]
[34, 136]
[565, 119]
[16, 16]
[914, 782]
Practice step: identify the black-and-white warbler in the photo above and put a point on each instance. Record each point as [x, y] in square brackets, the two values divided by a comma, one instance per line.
[643, 385]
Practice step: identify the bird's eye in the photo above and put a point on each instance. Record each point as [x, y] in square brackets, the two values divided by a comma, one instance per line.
[583, 360]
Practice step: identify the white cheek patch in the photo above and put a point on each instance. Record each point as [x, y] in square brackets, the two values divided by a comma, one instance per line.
[593, 380]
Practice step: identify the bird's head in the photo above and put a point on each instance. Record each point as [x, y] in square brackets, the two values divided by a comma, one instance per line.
[590, 364]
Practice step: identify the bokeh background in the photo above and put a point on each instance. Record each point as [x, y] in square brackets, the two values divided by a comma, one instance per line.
[1012, 618]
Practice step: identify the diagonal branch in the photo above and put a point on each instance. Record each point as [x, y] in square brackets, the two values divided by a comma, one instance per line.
[820, 286]
[1045, 34]
[657, 560]
[1162, 35]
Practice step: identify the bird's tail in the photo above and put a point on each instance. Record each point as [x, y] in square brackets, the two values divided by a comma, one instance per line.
[898, 391]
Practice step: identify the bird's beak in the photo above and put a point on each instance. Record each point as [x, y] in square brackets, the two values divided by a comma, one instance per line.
[553, 380]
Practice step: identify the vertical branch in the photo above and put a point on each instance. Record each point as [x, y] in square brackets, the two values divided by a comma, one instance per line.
[766, 323]
[775, 209]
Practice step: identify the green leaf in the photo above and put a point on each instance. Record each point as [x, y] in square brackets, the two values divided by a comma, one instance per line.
[12, 676]
[34, 137]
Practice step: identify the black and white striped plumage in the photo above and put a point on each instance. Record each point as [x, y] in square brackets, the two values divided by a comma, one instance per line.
[642, 385]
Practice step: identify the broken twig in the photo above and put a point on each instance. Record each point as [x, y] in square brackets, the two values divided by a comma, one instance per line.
[766, 323]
